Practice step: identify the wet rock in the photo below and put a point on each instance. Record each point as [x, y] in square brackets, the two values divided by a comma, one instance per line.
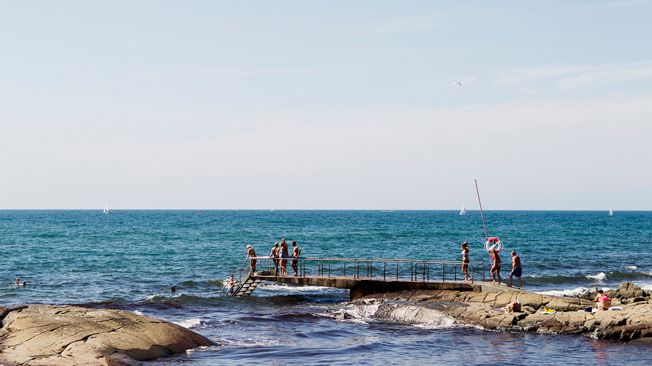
[485, 309]
[69, 335]
[628, 290]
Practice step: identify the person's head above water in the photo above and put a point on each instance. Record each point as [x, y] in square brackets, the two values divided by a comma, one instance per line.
[294, 243]
[513, 253]
[275, 245]
[465, 245]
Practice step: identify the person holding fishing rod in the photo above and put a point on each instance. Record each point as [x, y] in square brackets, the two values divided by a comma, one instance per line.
[492, 245]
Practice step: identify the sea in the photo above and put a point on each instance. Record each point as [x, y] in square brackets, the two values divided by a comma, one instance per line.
[130, 259]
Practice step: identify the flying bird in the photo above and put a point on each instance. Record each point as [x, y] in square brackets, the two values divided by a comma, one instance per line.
[458, 83]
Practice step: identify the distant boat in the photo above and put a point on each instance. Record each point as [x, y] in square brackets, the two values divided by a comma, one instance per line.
[106, 209]
[463, 211]
[611, 212]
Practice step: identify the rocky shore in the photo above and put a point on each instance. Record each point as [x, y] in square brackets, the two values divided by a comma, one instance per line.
[484, 307]
[71, 335]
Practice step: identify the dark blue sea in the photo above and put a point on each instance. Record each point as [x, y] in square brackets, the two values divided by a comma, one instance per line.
[130, 259]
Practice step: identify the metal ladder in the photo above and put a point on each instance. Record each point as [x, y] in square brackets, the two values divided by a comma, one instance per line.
[244, 283]
[246, 287]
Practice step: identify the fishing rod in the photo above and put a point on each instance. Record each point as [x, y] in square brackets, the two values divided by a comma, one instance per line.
[484, 226]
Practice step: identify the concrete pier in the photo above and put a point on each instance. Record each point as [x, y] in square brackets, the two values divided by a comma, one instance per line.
[359, 287]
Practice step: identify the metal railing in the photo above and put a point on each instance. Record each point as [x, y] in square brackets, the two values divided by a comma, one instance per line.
[239, 276]
[373, 268]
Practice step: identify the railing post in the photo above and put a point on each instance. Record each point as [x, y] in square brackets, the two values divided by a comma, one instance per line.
[329, 269]
[424, 272]
[442, 272]
[455, 272]
[344, 263]
[384, 270]
[397, 270]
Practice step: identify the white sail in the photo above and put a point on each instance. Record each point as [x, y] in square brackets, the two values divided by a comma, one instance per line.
[611, 212]
[463, 211]
[106, 209]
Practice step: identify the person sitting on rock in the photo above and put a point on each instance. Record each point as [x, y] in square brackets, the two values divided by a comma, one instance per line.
[513, 307]
[602, 300]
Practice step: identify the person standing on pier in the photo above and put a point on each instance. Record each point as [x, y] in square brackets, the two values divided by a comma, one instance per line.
[274, 256]
[517, 271]
[296, 252]
[465, 261]
[284, 257]
[493, 250]
[251, 255]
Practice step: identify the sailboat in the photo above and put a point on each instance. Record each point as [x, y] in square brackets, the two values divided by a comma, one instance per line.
[611, 212]
[463, 211]
[106, 209]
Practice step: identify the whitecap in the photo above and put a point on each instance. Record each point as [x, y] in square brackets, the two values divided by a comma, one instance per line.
[647, 287]
[138, 312]
[633, 268]
[286, 288]
[189, 323]
[598, 277]
[578, 291]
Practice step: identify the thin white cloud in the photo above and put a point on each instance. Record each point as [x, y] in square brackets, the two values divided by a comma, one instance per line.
[578, 75]
[420, 23]
[616, 4]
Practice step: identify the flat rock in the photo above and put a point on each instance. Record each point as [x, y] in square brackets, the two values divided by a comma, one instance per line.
[485, 309]
[71, 335]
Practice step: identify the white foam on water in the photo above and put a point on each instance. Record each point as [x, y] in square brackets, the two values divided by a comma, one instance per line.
[138, 312]
[566, 293]
[249, 342]
[601, 276]
[631, 267]
[189, 323]
[286, 288]
[442, 322]
[647, 286]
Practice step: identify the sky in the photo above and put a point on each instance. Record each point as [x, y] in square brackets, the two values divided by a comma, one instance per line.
[326, 104]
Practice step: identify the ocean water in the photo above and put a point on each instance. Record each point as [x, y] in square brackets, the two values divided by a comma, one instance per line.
[130, 259]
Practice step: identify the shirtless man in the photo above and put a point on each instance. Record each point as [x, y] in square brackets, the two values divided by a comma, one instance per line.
[295, 254]
[251, 254]
[284, 257]
[274, 255]
[517, 271]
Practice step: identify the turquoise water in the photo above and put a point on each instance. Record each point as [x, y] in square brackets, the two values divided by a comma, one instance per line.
[130, 259]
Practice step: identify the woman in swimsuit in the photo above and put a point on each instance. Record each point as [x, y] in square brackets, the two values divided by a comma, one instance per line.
[465, 261]
[603, 300]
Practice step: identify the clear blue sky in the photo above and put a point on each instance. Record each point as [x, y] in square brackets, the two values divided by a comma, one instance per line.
[326, 104]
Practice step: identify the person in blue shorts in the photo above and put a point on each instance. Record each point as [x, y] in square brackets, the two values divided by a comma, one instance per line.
[517, 271]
